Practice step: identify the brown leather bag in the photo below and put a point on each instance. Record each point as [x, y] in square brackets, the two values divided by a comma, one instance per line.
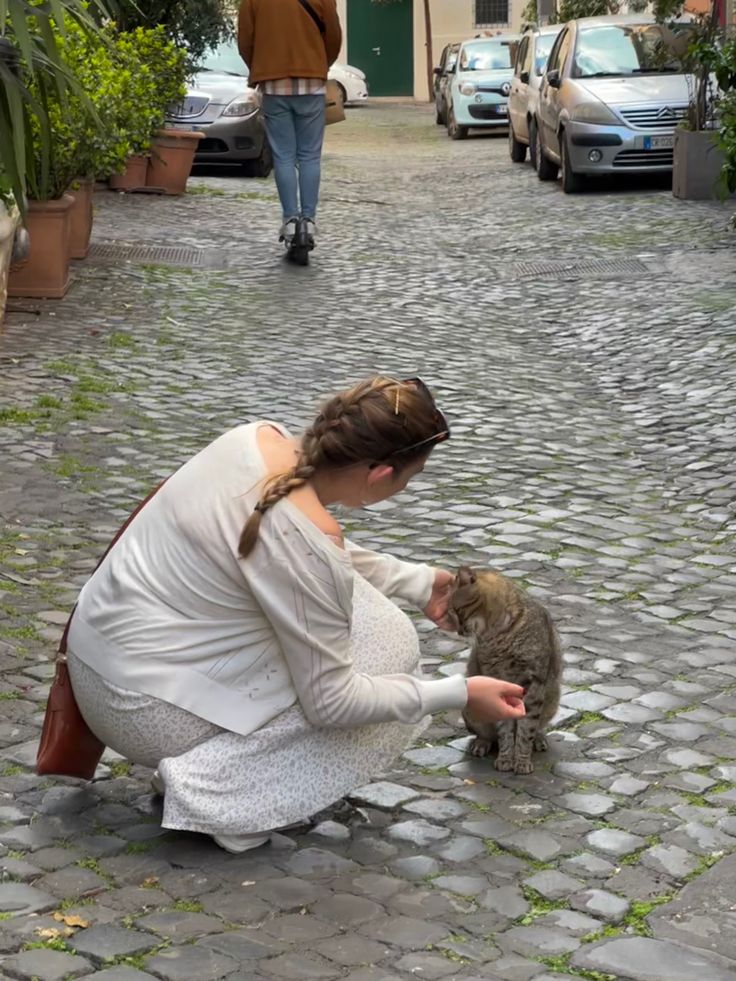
[68, 747]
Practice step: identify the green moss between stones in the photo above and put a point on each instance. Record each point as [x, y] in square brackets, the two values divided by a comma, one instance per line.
[538, 906]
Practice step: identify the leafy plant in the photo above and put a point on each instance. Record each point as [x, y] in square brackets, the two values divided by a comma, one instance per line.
[30, 56]
[131, 78]
[726, 75]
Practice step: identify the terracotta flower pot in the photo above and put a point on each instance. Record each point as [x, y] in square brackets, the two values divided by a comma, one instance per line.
[46, 271]
[172, 156]
[133, 177]
[80, 220]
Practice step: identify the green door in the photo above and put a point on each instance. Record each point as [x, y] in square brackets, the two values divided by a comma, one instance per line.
[381, 43]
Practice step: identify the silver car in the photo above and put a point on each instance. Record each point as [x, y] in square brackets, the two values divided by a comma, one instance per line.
[531, 60]
[221, 104]
[613, 93]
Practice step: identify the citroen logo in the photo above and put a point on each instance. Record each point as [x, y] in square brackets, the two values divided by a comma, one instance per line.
[666, 113]
[505, 88]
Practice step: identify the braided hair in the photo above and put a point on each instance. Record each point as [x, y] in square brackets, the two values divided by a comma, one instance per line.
[377, 420]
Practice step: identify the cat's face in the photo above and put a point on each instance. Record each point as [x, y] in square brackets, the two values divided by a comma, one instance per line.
[480, 602]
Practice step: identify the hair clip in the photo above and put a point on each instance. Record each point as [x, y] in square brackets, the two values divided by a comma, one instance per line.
[398, 397]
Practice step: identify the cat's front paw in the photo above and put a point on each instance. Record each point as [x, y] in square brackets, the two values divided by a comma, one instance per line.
[480, 747]
[523, 766]
[540, 744]
[504, 763]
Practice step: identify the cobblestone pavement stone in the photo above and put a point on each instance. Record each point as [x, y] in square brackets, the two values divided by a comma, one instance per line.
[585, 350]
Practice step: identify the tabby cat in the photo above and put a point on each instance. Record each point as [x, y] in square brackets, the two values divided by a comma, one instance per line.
[513, 639]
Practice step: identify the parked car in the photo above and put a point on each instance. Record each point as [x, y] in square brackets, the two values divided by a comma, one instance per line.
[221, 104]
[531, 60]
[442, 77]
[610, 99]
[481, 82]
[352, 83]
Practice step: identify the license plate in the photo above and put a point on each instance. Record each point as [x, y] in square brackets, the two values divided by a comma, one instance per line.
[502, 110]
[659, 142]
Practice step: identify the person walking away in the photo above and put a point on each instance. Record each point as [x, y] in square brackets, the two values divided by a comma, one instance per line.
[288, 46]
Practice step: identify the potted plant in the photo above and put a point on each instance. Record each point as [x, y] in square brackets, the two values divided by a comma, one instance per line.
[29, 53]
[697, 157]
[172, 150]
[46, 271]
[37, 159]
[155, 72]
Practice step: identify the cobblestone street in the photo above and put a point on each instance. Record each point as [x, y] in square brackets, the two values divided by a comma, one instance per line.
[584, 350]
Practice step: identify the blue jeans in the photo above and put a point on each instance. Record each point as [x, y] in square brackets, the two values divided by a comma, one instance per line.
[295, 125]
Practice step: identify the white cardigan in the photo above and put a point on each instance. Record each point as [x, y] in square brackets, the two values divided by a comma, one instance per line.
[175, 613]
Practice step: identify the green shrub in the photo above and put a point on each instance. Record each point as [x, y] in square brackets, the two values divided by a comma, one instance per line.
[726, 75]
[129, 79]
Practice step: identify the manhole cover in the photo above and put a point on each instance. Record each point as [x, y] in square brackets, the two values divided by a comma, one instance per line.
[590, 267]
[165, 255]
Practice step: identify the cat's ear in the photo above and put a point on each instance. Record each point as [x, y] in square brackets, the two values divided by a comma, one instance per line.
[465, 576]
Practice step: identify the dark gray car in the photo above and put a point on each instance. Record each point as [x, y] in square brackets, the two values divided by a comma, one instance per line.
[221, 104]
[442, 76]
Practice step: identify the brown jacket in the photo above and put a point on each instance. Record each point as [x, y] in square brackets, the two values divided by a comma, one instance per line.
[278, 39]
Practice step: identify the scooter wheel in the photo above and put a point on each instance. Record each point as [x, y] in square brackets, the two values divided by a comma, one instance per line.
[299, 255]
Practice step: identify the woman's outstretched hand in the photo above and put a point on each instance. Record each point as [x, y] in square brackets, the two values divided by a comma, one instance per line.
[492, 700]
[436, 609]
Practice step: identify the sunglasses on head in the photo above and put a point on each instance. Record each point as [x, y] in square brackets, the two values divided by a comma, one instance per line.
[443, 427]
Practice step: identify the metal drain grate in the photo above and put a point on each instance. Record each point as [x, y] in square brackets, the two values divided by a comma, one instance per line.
[165, 255]
[591, 267]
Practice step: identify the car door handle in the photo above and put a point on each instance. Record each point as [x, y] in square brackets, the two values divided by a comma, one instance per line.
[376, 50]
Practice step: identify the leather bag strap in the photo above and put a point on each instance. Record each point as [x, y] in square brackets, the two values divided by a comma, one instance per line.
[65, 635]
[315, 16]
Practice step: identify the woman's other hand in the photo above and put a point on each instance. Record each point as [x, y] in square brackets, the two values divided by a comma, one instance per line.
[436, 609]
[492, 700]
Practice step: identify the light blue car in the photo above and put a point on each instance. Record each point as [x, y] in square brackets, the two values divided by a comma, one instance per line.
[481, 82]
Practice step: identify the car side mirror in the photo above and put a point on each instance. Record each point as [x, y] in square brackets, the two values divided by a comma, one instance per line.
[524, 78]
[553, 79]
[437, 71]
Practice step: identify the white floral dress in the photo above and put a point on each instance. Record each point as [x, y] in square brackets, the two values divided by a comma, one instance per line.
[221, 783]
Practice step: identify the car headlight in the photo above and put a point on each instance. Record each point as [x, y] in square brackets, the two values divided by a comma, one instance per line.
[467, 88]
[597, 113]
[244, 105]
[360, 76]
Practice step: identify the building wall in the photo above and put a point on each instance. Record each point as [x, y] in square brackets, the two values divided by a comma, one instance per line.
[452, 20]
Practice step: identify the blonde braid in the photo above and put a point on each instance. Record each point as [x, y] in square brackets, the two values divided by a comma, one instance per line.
[328, 437]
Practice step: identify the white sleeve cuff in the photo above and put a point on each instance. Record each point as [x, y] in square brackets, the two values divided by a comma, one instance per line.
[441, 694]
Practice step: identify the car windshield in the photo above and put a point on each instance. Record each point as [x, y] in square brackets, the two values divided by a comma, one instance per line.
[542, 50]
[630, 49]
[224, 58]
[485, 56]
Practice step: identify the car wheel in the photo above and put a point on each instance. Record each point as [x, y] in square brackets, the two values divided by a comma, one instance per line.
[533, 143]
[546, 170]
[343, 93]
[261, 166]
[454, 130]
[571, 182]
[517, 151]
